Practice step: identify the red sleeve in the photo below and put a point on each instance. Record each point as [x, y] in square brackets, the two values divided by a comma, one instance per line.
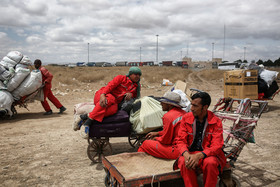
[167, 132]
[182, 137]
[113, 83]
[48, 76]
[217, 140]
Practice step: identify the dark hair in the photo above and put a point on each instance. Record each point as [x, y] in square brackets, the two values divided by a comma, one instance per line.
[205, 98]
[38, 61]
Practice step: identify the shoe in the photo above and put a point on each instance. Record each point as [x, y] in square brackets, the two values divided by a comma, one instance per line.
[61, 110]
[85, 133]
[48, 112]
[78, 122]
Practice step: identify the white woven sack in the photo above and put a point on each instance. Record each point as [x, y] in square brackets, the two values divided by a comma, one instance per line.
[20, 75]
[15, 56]
[21, 66]
[6, 101]
[25, 60]
[5, 74]
[81, 108]
[32, 82]
[7, 62]
[148, 117]
[268, 76]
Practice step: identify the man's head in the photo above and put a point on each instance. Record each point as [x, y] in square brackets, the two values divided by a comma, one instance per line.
[170, 100]
[37, 63]
[200, 103]
[134, 74]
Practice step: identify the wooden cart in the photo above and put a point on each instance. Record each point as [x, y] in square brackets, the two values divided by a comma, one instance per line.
[137, 169]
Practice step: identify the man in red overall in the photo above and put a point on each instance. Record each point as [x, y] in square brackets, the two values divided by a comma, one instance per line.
[200, 143]
[106, 100]
[47, 81]
[163, 143]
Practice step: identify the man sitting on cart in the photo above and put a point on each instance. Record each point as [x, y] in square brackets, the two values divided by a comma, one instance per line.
[162, 143]
[200, 143]
[106, 100]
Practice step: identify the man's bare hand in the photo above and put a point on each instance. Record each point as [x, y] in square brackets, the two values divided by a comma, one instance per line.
[103, 100]
[191, 160]
[151, 135]
[128, 96]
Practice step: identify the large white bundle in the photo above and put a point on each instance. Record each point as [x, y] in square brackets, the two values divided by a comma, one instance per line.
[32, 82]
[7, 62]
[20, 75]
[6, 74]
[21, 66]
[268, 76]
[15, 56]
[6, 101]
[148, 117]
[25, 60]
[81, 108]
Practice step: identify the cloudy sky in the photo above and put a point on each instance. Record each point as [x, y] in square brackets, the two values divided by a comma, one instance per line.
[63, 31]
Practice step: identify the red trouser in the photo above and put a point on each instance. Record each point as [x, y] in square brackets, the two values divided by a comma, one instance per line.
[99, 112]
[156, 149]
[210, 171]
[48, 94]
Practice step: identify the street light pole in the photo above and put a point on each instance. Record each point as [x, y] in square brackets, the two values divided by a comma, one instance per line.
[244, 53]
[140, 54]
[157, 50]
[213, 50]
[88, 52]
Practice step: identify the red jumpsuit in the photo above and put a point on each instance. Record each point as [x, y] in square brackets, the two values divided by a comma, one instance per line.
[115, 92]
[165, 145]
[47, 79]
[212, 142]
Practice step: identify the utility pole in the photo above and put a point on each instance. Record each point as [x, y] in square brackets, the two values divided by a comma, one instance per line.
[140, 54]
[213, 50]
[157, 50]
[244, 54]
[88, 52]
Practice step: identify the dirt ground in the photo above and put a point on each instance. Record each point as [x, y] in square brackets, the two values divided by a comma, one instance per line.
[38, 150]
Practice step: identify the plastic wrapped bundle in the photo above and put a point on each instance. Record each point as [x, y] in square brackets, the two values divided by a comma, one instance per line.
[20, 75]
[32, 82]
[6, 101]
[148, 117]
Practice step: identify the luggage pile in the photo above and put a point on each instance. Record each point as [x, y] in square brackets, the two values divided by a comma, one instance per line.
[17, 81]
[267, 84]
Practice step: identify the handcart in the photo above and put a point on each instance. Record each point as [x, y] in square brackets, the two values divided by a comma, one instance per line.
[137, 169]
[117, 125]
[239, 123]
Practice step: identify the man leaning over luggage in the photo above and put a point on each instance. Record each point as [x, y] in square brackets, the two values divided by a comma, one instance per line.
[200, 143]
[47, 81]
[162, 144]
[106, 100]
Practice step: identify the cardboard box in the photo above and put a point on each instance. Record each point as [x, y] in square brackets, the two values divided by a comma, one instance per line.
[241, 84]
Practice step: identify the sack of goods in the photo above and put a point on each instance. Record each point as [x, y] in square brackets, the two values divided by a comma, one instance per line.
[16, 79]
[267, 82]
[146, 115]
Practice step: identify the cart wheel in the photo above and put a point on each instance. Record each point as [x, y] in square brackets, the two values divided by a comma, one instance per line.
[97, 148]
[235, 182]
[135, 140]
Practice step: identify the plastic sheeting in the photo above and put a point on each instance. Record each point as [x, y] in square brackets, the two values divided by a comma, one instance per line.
[20, 75]
[29, 85]
[268, 76]
[6, 101]
[148, 117]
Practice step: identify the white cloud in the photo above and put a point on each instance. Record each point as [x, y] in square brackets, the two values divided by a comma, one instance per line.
[59, 30]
